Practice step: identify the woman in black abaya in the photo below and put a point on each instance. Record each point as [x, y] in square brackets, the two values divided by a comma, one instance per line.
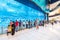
[13, 28]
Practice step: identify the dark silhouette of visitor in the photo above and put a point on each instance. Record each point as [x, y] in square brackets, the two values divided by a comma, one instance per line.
[13, 28]
[20, 24]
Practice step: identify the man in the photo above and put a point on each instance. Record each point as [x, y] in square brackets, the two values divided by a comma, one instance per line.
[17, 25]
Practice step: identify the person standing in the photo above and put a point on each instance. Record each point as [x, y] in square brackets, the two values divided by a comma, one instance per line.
[17, 25]
[26, 24]
[9, 29]
[29, 24]
[37, 24]
[13, 28]
[20, 24]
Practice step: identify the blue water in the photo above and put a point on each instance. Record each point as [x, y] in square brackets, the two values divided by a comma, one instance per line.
[12, 10]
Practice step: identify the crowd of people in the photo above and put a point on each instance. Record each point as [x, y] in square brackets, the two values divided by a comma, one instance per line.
[16, 26]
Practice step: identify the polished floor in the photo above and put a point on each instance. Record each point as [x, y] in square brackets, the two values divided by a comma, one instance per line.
[48, 32]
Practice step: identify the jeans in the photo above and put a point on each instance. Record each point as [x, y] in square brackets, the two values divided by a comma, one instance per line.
[17, 28]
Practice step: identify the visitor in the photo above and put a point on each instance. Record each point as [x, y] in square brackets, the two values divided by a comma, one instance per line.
[13, 28]
[20, 24]
[29, 24]
[37, 24]
[9, 29]
[26, 24]
[17, 26]
[52, 23]
[34, 23]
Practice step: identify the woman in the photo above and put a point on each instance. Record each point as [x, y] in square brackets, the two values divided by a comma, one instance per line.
[9, 29]
[13, 29]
